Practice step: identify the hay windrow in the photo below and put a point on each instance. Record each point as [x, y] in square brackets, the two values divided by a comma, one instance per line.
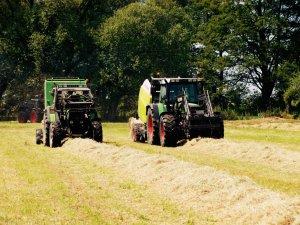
[268, 123]
[264, 154]
[230, 199]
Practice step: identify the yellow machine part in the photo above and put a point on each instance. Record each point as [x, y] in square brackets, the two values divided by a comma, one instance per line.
[145, 98]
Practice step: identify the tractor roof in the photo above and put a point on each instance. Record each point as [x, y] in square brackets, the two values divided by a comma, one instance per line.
[167, 80]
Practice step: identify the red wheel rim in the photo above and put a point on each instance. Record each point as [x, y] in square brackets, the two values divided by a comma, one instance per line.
[33, 117]
[150, 127]
[162, 131]
[21, 119]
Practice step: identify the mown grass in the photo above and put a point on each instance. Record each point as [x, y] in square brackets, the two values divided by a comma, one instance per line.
[276, 180]
[289, 139]
[39, 185]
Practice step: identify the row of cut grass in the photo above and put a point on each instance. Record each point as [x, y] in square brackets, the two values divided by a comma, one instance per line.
[276, 180]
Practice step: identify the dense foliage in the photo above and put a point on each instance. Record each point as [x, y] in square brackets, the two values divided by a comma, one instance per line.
[248, 50]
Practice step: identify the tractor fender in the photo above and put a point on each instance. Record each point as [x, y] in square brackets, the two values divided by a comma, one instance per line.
[164, 113]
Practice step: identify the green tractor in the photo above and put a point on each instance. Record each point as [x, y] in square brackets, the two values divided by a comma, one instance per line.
[173, 109]
[69, 112]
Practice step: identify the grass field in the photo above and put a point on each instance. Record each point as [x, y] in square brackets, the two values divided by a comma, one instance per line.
[277, 180]
[39, 185]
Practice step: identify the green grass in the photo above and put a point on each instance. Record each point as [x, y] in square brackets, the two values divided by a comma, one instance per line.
[288, 139]
[39, 185]
[276, 180]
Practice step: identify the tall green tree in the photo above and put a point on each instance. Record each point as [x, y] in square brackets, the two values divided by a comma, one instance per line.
[15, 30]
[50, 38]
[141, 40]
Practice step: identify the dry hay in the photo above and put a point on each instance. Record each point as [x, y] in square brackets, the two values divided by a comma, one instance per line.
[269, 123]
[229, 199]
[265, 154]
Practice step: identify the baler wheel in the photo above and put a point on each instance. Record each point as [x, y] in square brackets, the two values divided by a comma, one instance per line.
[134, 134]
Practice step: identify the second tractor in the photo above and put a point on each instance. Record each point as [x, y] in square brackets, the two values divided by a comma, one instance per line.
[173, 109]
[69, 112]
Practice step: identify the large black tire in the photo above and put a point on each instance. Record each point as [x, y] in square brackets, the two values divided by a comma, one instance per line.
[152, 129]
[97, 131]
[46, 135]
[55, 135]
[46, 130]
[167, 131]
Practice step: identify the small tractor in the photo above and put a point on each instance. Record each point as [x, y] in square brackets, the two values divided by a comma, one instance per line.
[69, 112]
[31, 110]
[174, 109]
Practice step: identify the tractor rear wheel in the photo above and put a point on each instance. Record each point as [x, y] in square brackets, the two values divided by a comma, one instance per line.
[152, 129]
[33, 117]
[167, 131]
[97, 131]
[54, 135]
[22, 118]
[46, 135]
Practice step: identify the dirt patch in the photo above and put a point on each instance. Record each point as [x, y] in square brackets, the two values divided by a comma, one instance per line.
[229, 199]
[265, 154]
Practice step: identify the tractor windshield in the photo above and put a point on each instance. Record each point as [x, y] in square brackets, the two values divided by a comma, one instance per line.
[190, 89]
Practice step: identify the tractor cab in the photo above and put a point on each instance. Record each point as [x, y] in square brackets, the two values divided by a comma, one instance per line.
[170, 91]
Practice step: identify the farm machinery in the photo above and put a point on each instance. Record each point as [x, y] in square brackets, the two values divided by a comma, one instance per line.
[31, 110]
[69, 112]
[173, 109]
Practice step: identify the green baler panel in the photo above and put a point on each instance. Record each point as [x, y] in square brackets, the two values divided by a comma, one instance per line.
[49, 84]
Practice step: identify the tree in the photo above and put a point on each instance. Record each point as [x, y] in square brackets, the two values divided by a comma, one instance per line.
[292, 94]
[264, 30]
[40, 39]
[139, 41]
[15, 30]
[250, 39]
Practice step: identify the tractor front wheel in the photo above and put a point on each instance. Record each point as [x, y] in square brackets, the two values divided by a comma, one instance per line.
[38, 136]
[167, 131]
[97, 131]
[152, 130]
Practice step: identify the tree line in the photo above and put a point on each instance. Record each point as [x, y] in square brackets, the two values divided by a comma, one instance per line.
[248, 51]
